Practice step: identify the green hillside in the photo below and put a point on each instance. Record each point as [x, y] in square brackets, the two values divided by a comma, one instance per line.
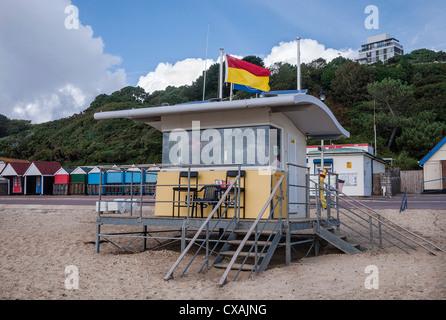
[406, 96]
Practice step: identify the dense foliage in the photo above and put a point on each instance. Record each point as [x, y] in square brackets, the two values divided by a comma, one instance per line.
[405, 98]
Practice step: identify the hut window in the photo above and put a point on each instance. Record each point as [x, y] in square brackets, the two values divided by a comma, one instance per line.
[251, 146]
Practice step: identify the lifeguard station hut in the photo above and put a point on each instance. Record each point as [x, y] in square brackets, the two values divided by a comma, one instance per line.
[235, 173]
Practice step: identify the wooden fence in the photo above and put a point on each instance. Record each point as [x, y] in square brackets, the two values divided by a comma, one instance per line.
[411, 180]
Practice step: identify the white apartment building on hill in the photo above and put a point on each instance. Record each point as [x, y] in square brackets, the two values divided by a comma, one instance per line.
[379, 48]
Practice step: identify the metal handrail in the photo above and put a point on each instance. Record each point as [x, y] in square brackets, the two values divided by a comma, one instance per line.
[169, 274]
[379, 219]
[404, 201]
[248, 234]
[423, 182]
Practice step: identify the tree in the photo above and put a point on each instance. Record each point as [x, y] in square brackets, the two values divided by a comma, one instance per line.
[12, 126]
[396, 98]
[420, 133]
[283, 76]
[349, 85]
[254, 60]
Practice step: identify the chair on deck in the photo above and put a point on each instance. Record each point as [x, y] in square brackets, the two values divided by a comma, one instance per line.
[183, 188]
[211, 196]
[230, 175]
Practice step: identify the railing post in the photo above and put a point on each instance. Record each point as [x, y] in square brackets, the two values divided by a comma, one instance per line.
[317, 193]
[188, 193]
[140, 194]
[183, 235]
[144, 239]
[256, 248]
[238, 199]
[288, 192]
[307, 194]
[380, 232]
[328, 198]
[371, 235]
[98, 237]
[280, 204]
[337, 197]
[98, 219]
[207, 246]
[287, 224]
[131, 192]
[99, 192]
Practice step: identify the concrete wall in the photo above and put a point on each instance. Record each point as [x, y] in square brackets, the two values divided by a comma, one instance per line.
[391, 180]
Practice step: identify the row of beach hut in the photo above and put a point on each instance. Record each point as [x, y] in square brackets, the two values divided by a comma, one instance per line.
[49, 177]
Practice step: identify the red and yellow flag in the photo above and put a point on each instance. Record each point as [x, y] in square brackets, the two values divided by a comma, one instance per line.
[245, 73]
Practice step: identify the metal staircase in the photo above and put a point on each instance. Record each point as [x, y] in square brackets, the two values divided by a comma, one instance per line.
[339, 240]
[340, 220]
[260, 251]
[247, 250]
[353, 227]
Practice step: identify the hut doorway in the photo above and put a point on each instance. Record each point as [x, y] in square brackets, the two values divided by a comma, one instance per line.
[292, 174]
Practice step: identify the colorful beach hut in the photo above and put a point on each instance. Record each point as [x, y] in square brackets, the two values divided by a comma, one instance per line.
[151, 179]
[4, 162]
[93, 181]
[39, 177]
[434, 169]
[114, 182]
[62, 179]
[14, 172]
[132, 181]
[79, 180]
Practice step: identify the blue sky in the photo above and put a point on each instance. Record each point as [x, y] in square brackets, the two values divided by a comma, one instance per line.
[145, 32]
[50, 71]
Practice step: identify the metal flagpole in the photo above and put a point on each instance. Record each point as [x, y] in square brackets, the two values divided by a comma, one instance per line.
[220, 91]
[374, 124]
[298, 64]
[205, 64]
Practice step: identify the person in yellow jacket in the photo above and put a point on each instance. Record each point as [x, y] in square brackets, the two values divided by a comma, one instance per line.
[321, 191]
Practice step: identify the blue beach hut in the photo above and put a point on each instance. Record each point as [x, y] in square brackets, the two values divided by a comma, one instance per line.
[115, 182]
[93, 181]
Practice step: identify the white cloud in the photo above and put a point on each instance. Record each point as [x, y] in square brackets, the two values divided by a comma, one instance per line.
[181, 73]
[309, 51]
[49, 71]
[186, 71]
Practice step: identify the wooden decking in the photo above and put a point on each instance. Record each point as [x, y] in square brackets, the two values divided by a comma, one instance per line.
[169, 221]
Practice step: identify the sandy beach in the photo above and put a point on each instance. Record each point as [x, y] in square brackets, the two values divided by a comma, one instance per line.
[37, 245]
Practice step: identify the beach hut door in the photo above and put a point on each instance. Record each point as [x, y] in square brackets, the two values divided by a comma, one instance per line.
[292, 158]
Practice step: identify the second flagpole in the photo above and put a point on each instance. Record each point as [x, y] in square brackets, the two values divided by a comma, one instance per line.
[298, 64]
[220, 89]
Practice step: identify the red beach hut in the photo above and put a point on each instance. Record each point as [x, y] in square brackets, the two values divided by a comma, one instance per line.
[14, 172]
[62, 179]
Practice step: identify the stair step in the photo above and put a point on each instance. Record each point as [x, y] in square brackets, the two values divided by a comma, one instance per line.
[235, 266]
[263, 233]
[342, 236]
[231, 253]
[249, 242]
[337, 242]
